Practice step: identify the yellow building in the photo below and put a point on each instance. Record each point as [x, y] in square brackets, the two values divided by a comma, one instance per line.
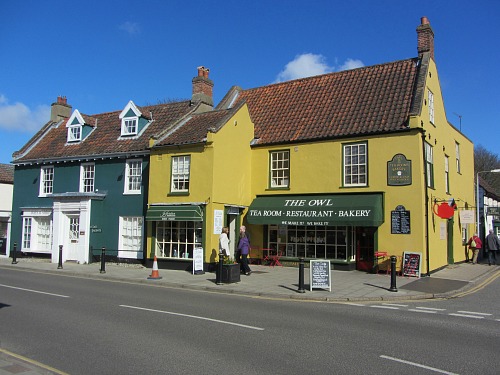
[353, 166]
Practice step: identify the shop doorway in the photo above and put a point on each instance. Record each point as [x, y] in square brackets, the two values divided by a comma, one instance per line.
[233, 234]
[365, 248]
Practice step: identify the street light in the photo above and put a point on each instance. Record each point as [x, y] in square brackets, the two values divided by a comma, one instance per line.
[477, 195]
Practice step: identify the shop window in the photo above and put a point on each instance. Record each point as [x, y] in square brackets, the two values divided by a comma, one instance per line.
[37, 234]
[321, 242]
[355, 164]
[177, 239]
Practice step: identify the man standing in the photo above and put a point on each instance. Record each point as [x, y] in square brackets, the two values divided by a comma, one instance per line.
[492, 246]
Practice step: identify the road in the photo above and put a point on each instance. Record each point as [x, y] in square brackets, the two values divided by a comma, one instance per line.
[86, 326]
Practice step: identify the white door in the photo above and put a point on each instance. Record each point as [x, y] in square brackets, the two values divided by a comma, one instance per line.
[73, 236]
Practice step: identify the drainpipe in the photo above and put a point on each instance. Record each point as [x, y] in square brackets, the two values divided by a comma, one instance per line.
[426, 189]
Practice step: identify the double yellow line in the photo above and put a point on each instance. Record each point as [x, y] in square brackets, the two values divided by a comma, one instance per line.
[480, 286]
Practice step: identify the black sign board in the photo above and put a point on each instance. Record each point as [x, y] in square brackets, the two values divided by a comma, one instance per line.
[400, 221]
[411, 264]
[399, 171]
[320, 275]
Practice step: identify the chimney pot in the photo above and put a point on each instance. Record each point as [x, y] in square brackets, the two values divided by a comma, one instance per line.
[425, 37]
[202, 88]
[424, 20]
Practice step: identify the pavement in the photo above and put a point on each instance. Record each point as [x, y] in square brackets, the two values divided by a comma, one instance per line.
[264, 282]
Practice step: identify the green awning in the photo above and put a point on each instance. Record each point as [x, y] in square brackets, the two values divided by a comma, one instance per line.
[338, 209]
[174, 213]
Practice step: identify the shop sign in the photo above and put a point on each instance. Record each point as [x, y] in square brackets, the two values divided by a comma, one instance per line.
[493, 211]
[399, 171]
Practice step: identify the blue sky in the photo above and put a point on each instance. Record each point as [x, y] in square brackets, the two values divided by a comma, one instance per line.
[101, 54]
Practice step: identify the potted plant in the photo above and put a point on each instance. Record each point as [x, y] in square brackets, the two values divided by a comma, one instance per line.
[230, 271]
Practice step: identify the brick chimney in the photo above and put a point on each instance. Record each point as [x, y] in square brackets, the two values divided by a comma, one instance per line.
[202, 89]
[60, 109]
[425, 37]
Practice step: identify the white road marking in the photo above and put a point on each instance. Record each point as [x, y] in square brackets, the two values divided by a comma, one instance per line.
[194, 317]
[423, 311]
[430, 309]
[385, 307]
[467, 316]
[354, 304]
[418, 365]
[34, 291]
[475, 313]
[394, 304]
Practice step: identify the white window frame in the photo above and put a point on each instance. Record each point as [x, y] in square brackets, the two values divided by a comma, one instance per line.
[180, 176]
[37, 234]
[429, 164]
[457, 156]
[133, 176]
[74, 133]
[447, 174]
[27, 233]
[430, 101]
[355, 164]
[131, 234]
[87, 184]
[46, 180]
[129, 126]
[177, 239]
[279, 168]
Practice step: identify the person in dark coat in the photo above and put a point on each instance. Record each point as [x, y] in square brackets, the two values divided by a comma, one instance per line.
[492, 246]
[243, 251]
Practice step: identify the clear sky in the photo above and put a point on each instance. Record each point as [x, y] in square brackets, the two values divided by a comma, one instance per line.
[101, 54]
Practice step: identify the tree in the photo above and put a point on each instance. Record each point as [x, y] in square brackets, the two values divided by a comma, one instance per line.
[485, 160]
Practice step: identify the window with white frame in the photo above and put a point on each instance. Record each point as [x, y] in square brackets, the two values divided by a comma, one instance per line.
[180, 173]
[457, 156]
[355, 164]
[129, 126]
[133, 176]
[429, 164]
[37, 234]
[87, 177]
[130, 242]
[74, 133]
[46, 181]
[27, 221]
[280, 169]
[177, 239]
[447, 173]
[430, 99]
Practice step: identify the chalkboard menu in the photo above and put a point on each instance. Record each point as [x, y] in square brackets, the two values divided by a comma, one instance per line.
[400, 221]
[320, 275]
[411, 264]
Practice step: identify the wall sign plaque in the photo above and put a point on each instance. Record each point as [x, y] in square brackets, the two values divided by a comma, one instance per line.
[399, 171]
[400, 221]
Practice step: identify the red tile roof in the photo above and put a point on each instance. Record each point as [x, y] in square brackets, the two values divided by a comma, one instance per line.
[6, 173]
[361, 101]
[50, 142]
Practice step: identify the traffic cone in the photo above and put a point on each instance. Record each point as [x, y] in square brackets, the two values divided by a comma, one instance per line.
[155, 275]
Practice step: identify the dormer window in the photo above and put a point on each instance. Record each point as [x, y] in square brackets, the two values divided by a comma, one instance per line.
[129, 126]
[75, 133]
[130, 119]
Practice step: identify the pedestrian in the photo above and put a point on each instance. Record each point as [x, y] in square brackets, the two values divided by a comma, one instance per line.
[243, 250]
[475, 246]
[224, 242]
[492, 246]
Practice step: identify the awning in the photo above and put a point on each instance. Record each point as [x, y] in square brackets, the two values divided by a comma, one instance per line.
[174, 213]
[339, 209]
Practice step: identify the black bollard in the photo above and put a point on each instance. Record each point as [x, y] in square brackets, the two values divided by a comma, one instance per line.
[14, 254]
[393, 274]
[301, 276]
[218, 278]
[59, 266]
[103, 260]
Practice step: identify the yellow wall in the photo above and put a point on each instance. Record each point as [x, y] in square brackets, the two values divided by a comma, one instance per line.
[220, 174]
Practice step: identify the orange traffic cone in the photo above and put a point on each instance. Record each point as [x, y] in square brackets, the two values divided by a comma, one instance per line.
[155, 275]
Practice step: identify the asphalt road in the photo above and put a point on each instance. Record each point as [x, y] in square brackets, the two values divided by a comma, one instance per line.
[85, 326]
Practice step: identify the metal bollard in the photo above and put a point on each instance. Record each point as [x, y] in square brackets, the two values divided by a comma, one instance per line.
[301, 276]
[14, 254]
[103, 260]
[59, 266]
[393, 274]
[218, 277]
